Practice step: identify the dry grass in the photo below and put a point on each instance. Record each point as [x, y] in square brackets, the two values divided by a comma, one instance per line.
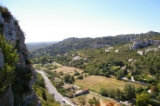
[86, 98]
[56, 64]
[67, 70]
[97, 82]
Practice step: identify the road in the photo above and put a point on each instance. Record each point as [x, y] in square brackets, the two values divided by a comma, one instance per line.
[132, 80]
[52, 90]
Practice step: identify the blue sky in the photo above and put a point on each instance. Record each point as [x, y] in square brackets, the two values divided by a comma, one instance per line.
[54, 20]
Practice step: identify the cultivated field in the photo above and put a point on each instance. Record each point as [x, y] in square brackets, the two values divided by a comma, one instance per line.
[97, 82]
[67, 70]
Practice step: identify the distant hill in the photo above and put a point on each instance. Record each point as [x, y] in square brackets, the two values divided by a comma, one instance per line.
[122, 55]
[72, 44]
[135, 57]
[37, 45]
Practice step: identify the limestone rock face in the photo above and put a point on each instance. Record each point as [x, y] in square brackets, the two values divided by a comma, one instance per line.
[1, 59]
[8, 98]
[11, 30]
[1, 19]
[138, 43]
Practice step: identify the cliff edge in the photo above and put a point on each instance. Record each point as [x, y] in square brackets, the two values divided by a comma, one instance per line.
[19, 92]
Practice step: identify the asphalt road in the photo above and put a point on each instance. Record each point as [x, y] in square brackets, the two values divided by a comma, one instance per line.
[52, 90]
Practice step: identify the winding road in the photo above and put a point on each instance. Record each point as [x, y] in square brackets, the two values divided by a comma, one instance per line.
[52, 90]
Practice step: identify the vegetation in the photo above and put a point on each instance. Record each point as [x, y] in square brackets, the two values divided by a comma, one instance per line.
[95, 83]
[40, 89]
[129, 91]
[109, 57]
[20, 84]
[68, 78]
[93, 101]
[5, 13]
[11, 74]
[45, 67]
[7, 74]
[58, 84]
[98, 62]
[80, 77]
[142, 99]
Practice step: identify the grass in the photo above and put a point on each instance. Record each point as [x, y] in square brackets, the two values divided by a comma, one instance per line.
[95, 83]
[56, 64]
[67, 70]
[46, 66]
[86, 98]
[42, 93]
[60, 68]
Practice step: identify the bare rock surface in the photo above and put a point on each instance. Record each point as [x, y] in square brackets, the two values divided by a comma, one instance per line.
[1, 59]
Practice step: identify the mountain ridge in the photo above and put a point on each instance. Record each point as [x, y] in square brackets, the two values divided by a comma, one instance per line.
[71, 44]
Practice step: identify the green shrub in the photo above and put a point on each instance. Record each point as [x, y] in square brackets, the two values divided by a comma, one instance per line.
[40, 89]
[20, 85]
[7, 74]
[80, 77]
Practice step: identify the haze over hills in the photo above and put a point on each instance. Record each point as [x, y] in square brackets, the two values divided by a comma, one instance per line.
[37, 45]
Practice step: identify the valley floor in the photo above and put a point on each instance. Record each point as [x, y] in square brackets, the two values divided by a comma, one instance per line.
[52, 90]
[93, 83]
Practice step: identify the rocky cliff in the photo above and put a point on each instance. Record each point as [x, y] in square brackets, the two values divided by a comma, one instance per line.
[141, 43]
[10, 28]
[1, 59]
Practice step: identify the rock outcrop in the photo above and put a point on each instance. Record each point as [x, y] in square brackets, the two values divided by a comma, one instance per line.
[1, 59]
[1, 19]
[7, 99]
[10, 28]
[141, 43]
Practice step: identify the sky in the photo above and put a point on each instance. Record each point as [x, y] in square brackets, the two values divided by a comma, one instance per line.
[55, 20]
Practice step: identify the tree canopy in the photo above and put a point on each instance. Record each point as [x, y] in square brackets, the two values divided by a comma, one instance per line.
[129, 91]
[142, 99]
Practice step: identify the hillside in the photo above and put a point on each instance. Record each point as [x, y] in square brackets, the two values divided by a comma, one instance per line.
[112, 54]
[123, 57]
[72, 44]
